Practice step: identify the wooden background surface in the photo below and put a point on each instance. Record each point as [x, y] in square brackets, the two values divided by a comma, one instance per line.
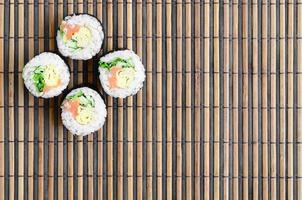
[219, 116]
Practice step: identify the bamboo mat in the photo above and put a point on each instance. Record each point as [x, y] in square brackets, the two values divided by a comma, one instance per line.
[219, 116]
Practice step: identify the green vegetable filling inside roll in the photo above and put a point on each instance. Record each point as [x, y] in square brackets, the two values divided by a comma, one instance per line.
[80, 106]
[46, 78]
[75, 36]
[121, 72]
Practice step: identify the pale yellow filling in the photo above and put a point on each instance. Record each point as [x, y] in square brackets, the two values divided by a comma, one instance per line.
[84, 115]
[51, 75]
[83, 37]
[125, 77]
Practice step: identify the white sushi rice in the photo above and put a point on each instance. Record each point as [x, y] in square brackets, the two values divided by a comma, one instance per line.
[93, 47]
[134, 86]
[97, 121]
[43, 59]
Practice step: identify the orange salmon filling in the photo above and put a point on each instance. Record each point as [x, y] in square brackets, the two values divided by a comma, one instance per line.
[70, 29]
[112, 76]
[47, 88]
[72, 107]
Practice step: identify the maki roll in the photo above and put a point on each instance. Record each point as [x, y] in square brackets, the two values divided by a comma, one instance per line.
[83, 111]
[121, 73]
[46, 75]
[80, 37]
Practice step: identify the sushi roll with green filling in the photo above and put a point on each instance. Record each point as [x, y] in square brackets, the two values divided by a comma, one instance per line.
[83, 111]
[46, 75]
[80, 37]
[121, 73]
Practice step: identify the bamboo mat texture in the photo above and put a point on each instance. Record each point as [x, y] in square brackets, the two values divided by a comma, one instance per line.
[219, 116]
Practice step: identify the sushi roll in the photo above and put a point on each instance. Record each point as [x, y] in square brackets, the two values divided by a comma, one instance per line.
[121, 73]
[83, 111]
[80, 37]
[46, 75]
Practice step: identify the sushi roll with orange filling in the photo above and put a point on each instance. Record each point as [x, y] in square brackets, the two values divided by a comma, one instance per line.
[122, 73]
[46, 75]
[83, 111]
[80, 37]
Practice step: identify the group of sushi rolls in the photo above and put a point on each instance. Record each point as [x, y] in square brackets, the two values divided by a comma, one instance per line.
[83, 111]
[121, 73]
[46, 75]
[80, 37]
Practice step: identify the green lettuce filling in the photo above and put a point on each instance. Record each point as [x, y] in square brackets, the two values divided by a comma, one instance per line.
[125, 63]
[38, 78]
[85, 101]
